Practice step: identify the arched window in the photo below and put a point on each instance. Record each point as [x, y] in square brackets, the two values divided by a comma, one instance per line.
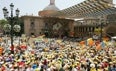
[32, 24]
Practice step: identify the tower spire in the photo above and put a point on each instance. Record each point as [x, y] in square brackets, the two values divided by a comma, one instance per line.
[52, 2]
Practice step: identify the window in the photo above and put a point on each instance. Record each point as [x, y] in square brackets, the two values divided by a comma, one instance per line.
[32, 24]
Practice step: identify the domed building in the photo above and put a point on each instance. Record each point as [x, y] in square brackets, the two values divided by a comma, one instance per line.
[46, 24]
[51, 8]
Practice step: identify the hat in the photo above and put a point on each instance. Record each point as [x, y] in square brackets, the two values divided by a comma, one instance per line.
[105, 60]
[11, 69]
[111, 62]
[95, 62]
[15, 65]
[10, 65]
[99, 65]
[37, 69]
[114, 61]
[92, 65]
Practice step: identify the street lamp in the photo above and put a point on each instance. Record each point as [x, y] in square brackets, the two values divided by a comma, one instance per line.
[11, 26]
[101, 27]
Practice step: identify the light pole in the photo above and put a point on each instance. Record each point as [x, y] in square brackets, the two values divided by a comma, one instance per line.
[11, 26]
[101, 27]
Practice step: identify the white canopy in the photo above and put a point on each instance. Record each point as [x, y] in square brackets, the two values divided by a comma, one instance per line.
[114, 37]
[88, 8]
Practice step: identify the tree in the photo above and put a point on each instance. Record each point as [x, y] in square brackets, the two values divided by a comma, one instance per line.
[2, 23]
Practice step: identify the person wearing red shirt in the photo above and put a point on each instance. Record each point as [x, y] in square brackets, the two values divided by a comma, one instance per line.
[12, 49]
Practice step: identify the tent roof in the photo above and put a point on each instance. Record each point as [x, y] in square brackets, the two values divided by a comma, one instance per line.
[88, 8]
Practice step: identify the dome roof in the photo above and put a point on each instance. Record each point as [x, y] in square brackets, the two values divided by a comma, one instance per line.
[51, 7]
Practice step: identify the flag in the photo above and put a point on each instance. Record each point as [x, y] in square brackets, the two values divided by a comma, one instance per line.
[82, 42]
[98, 47]
[97, 43]
[102, 44]
[90, 42]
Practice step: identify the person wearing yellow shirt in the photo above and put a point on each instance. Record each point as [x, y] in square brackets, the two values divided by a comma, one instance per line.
[99, 69]
[92, 67]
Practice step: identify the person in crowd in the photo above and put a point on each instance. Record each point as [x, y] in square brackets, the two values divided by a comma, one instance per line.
[45, 54]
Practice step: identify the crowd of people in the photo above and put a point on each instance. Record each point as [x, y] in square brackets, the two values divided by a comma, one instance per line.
[50, 54]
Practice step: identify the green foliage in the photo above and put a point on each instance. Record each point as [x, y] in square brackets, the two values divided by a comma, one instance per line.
[15, 21]
[3, 22]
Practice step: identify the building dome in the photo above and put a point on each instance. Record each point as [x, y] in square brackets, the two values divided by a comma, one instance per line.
[51, 7]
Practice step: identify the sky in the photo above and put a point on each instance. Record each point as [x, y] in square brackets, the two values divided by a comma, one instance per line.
[31, 7]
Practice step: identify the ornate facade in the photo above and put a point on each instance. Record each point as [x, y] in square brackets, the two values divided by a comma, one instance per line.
[45, 24]
[52, 27]
[57, 27]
